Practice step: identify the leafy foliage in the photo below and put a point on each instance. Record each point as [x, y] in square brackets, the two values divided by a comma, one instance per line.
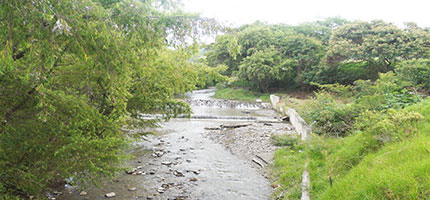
[74, 72]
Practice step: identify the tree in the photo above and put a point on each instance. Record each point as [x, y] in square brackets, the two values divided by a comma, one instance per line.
[73, 73]
[377, 43]
[263, 67]
[224, 51]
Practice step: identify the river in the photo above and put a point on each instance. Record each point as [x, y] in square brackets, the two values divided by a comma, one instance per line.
[182, 161]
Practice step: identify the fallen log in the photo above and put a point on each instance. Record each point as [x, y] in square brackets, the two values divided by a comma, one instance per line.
[234, 126]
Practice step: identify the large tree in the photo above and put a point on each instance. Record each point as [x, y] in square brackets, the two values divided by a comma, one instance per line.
[380, 45]
[73, 73]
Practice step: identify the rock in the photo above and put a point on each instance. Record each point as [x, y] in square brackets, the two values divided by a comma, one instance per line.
[165, 185]
[83, 193]
[139, 173]
[149, 198]
[188, 160]
[131, 171]
[193, 179]
[139, 161]
[139, 167]
[181, 149]
[166, 163]
[178, 173]
[110, 195]
[258, 100]
[161, 190]
[196, 172]
[152, 172]
[132, 189]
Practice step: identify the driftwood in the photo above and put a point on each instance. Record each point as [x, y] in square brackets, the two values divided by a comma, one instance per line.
[262, 159]
[258, 162]
[234, 126]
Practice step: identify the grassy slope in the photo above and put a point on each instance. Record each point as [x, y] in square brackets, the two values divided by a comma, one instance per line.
[397, 171]
[360, 167]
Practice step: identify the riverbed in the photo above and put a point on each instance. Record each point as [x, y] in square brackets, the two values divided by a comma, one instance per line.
[200, 158]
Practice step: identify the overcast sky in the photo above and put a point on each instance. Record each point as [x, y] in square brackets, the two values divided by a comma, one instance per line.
[238, 12]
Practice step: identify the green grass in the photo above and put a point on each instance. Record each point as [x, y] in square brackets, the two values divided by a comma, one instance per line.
[240, 95]
[397, 171]
[361, 166]
[288, 168]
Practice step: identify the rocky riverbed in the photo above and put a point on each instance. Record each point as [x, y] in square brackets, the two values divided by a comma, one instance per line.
[185, 160]
[252, 142]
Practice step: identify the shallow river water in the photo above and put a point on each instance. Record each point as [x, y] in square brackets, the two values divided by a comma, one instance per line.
[182, 162]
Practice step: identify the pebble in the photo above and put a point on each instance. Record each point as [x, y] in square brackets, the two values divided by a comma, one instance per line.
[110, 195]
[166, 163]
[196, 172]
[178, 173]
[161, 190]
[132, 189]
[193, 179]
[83, 193]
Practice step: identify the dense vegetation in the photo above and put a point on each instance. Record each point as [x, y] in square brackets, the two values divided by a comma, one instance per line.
[334, 50]
[73, 73]
[369, 112]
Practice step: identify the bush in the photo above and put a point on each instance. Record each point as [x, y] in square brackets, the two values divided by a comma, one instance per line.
[391, 125]
[417, 72]
[329, 117]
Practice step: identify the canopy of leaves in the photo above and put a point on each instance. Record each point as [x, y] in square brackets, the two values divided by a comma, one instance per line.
[74, 72]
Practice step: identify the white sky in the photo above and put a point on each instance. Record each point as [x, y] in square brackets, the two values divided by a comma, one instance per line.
[293, 12]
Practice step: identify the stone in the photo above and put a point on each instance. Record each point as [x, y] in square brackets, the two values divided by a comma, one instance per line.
[196, 172]
[161, 190]
[193, 179]
[188, 160]
[110, 195]
[181, 149]
[131, 171]
[258, 100]
[139, 167]
[83, 193]
[149, 198]
[178, 173]
[166, 163]
[132, 189]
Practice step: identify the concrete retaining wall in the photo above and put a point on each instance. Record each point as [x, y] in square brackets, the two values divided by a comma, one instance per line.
[304, 130]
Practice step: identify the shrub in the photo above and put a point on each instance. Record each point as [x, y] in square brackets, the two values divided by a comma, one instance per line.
[328, 116]
[417, 72]
[392, 125]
